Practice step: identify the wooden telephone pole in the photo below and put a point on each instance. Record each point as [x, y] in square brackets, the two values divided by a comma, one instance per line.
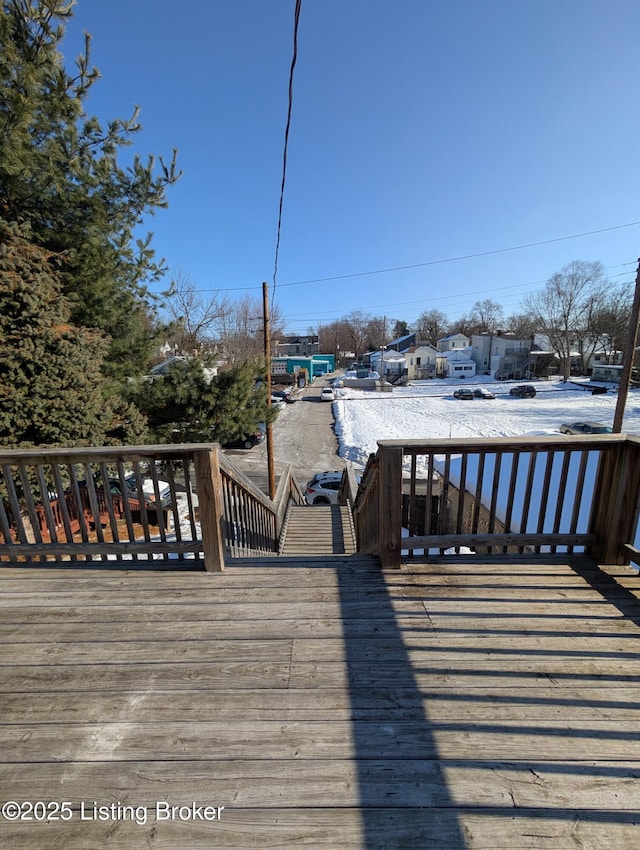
[267, 357]
[629, 355]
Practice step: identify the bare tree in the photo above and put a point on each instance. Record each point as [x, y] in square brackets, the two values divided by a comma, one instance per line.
[431, 326]
[565, 305]
[241, 331]
[378, 332]
[356, 324]
[487, 316]
[194, 319]
[611, 320]
[521, 325]
[335, 337]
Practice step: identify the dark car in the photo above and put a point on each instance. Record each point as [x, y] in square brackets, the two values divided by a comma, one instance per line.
[585, 428]
[245, 441]
[523, 391]
[482, 393]
[285, 395]
[464, 395]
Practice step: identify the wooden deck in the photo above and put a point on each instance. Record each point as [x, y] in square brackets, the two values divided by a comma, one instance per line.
[328, 704]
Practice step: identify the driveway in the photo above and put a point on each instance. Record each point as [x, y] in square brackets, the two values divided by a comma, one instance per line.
[303, 436]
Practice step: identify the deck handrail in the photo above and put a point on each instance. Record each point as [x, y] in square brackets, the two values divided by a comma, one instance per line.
[531, 494]
[88, 504]
[253, 522]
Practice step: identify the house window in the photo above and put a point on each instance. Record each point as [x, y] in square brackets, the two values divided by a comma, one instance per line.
[417, 361]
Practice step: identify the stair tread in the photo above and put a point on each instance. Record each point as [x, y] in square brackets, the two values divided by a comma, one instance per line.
[318, 530]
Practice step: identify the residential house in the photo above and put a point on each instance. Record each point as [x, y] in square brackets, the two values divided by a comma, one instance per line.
[455, 363]
[161, 369]
[421, 361]
[453, 342]
[403, 343]
[295, 346]
[389, 364]
[501, 355]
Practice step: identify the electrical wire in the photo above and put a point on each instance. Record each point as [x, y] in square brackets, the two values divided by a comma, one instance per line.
[294, 58]
[427, 262]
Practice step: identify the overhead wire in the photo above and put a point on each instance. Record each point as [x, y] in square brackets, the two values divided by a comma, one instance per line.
[426, 263]
[296, 21]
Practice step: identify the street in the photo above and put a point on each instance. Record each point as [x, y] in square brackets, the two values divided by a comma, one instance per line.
[302, 436]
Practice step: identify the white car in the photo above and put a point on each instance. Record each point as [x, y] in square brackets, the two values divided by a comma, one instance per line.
[327, 394]
[323, 488]
[277, 402]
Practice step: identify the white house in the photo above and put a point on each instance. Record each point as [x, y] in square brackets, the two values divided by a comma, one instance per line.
[394, 363]
[161, 369]
[453, 342]
[455, 364]
[421, 361]
[501, 355]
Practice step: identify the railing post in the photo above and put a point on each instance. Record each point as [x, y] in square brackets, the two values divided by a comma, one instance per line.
[616, 501]
[390, 507]
[209, 487]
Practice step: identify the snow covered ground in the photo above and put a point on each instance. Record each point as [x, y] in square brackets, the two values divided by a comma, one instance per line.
[428, 410]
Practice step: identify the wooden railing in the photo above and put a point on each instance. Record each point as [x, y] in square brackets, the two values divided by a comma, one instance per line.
[525, 495]
[186, 505]
[252, 522]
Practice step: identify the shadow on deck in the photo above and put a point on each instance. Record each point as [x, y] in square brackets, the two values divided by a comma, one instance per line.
[325, 703]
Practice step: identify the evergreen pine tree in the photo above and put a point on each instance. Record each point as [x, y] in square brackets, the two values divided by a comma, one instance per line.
[51, 388]
[60, 173]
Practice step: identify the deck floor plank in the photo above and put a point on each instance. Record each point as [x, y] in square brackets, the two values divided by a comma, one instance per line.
[325, 703]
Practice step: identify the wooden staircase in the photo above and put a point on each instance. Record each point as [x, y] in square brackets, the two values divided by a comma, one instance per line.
[318, 530]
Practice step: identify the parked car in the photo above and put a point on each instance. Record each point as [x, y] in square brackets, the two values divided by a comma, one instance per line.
[327, 394]
[277, 402]
[464, 395]
[482, 393]
[523, 391]
[285, 395]
[132, 492]
[245, 441]
[585, 428]
[323, 488]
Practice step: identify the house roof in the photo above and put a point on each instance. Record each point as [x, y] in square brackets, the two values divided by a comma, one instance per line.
[459, 354]
[420, 345]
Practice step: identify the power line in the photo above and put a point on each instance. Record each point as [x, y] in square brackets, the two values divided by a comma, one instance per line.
[462, 297]
[442, 261]
[465, 256]
[286, 139]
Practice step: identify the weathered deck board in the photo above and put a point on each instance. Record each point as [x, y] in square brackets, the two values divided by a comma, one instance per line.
[447, 706]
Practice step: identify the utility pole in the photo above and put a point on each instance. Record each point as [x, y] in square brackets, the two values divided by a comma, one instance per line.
[629, 355]
[267, 357]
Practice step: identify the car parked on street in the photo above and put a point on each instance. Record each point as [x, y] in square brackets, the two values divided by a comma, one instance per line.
[323, 488]
[277, 402]
[285, 395]
[244, 441]
[523, 391]
[585, 428]
[480, 392]
[327, 394]
[464, 394]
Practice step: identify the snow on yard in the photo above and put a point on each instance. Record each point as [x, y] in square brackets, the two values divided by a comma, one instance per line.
[428, 410]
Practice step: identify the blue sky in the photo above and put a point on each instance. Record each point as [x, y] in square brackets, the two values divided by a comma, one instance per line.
[422, 131]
